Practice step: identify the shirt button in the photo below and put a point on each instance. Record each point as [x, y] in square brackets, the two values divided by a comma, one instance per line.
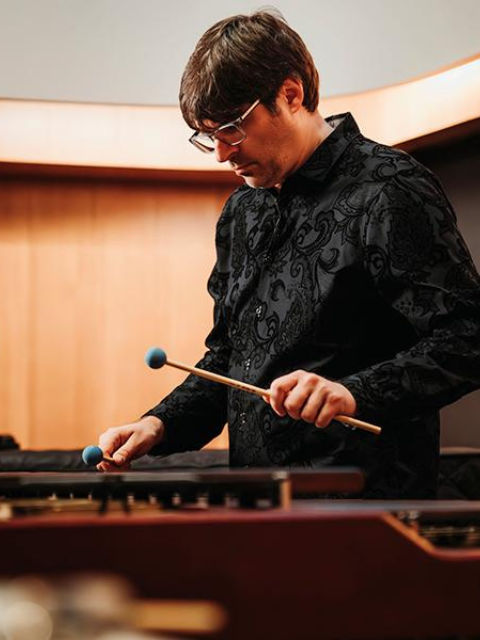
[248, 362]
[258, 311]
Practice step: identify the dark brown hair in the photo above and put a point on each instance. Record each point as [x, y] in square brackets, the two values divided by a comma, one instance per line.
[240, 59]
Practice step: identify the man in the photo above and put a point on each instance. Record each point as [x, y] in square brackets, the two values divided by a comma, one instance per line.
[341, 282]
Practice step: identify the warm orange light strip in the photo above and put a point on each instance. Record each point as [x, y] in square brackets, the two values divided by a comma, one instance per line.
[407, 111]
[156, 137]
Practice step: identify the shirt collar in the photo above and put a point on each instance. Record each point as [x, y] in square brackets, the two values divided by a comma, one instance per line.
[330, 150]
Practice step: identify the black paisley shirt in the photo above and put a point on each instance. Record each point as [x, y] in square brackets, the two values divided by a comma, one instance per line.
[354, 270]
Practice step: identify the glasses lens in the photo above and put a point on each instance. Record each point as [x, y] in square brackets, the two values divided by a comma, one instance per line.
[203, 142]
[230, 134]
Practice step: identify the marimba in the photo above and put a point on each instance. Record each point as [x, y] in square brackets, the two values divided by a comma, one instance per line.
[279, 567]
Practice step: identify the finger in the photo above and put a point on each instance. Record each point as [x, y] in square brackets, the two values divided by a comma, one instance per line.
[115, 443]
[112, 440]
[123, 455]
[313, 405]
[134, 447]
[279, 389]
[107, 467]
[295, 401]
[298, 397]
[328, 411]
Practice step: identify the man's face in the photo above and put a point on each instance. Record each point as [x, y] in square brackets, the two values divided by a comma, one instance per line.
[267, 155]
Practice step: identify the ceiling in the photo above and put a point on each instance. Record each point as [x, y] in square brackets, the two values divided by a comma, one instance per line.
[133, 51]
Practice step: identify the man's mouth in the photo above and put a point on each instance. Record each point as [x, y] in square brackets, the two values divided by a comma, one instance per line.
[242, 169]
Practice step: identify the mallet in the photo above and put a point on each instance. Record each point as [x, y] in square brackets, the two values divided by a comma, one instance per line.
[157, 358]
[93, 455]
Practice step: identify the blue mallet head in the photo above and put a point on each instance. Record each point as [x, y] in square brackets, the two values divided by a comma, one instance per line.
[155, 358]
[92, 455]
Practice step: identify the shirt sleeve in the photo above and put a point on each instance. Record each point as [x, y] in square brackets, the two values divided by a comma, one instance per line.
[421, 266]
[196, 411]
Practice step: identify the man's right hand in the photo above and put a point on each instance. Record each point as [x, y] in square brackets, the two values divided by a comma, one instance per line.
[129, 442]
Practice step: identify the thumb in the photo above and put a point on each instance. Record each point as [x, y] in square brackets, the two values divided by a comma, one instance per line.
[122, 455]
[133, 448]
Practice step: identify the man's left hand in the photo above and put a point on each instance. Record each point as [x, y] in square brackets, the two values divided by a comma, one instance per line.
[306, 396]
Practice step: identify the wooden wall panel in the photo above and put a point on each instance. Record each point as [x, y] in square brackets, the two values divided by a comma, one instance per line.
[92, 273]
[15, 286]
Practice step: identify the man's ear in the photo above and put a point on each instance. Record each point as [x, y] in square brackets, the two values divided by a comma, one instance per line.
[292, 92]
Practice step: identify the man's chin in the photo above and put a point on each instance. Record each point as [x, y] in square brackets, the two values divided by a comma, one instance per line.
[257, 182]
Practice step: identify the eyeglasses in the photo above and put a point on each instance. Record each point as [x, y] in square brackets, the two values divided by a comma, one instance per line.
[230, 133]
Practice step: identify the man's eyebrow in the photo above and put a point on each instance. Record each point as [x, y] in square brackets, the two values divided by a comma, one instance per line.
[204, 129]
[233, 117]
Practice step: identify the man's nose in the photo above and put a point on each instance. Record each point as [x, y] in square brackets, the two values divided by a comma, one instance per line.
[223, 151]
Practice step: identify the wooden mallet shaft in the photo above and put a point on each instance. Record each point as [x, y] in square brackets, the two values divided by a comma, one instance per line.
[264, 393]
